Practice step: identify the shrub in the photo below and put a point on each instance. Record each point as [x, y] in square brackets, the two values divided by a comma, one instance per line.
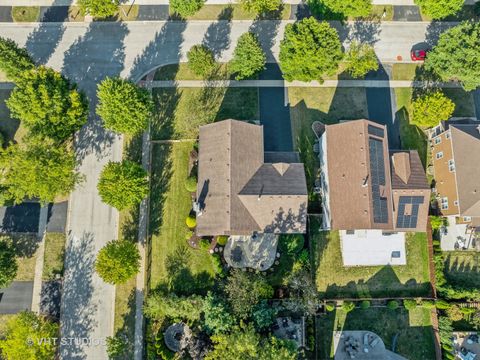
[201, 60]
[442, 304]
[348, 306]
[98, 8]
[303, 259]
[261, 6]
[186, 8]
[409, 304]
[454, 313]
[428, 304]
[189, 235]
[218, 265]
[222, 240]
[447, 347]
[191, 221]
[365, 304]
[392, 304]
[291, 243]
[191, 184]
[204, 244]
[329, 306]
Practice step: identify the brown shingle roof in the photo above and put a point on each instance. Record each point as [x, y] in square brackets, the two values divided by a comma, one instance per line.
[237, 192]
[413, 166]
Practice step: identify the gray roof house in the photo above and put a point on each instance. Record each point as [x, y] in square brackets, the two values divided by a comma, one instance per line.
[243, 190]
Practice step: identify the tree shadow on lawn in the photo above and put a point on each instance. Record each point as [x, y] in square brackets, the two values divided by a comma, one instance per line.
[127, 331]
[462, 273]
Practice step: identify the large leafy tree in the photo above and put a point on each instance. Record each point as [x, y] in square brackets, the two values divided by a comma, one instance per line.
[261, 6]
[13, 59]
[353, 8]
[123, 185]
[217, 316]
[26, 338]
[201, 60]
[123, 106]
[360, 59]
[248, 57]
[118, 261]
[245, 290]
[431, 108]
[8, 263]
[159, 306]
[439, 9]
[457, 55]
[99, 8]
[185, 8]
[309, 50]
[48, 104]
[37, 170]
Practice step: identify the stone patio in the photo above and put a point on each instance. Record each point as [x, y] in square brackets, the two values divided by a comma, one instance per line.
[454, 233]
[257, 251]
[361, 345]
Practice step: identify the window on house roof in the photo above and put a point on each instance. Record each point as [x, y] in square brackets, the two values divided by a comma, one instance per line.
[444, 203]
[451, 165]
[447, 135]
[439, 155]
[438, 140]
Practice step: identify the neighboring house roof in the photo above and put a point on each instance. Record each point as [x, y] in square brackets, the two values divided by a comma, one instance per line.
[466, 153]
[238, 193]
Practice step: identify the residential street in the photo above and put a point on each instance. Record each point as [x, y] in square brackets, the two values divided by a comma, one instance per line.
[87, 53]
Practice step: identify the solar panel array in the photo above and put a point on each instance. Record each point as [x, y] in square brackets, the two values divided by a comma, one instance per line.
[377, 174]
[408, 220]
[376, 131]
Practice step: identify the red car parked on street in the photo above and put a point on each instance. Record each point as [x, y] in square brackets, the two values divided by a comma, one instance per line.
[418, 55]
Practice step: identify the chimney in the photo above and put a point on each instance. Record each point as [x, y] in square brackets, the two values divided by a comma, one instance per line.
[401, 165]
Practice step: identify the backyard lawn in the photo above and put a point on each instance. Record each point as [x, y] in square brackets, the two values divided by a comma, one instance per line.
[462, 268]
[413, 330]
[54, 254]
[368, 281]
[173, 263]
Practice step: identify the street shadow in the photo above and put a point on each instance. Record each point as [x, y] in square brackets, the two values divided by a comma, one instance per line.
[266, 32]
[50, 299]
[414, 138]
[217, 36]
[77, 309]
[20, 218]
[365, 32]
[433, 32]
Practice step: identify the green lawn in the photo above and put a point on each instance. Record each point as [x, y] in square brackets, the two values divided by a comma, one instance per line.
[181, 111]
[414, 330]
[462, 268]
[336, 281]
[25, 13]
[182, 71]
[173, 262]
[25, 246]
[235, 12]
[404, 71]
[54, 255]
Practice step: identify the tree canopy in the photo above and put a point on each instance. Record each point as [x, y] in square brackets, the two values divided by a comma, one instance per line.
[123, 106]
[261, 6]
[98, 8]
[217, 316]
[37, 170]
[309, 50]
[248, 57]
[8, 263]
[457, 55]
[159, 306]
[360, 59]
[118, 261]
[439, 9]
[185, 8]
[431, 108]
[47, 104]
[26, 338]
[201, 60]
[13, 59]
[355, 8]
[123, 185]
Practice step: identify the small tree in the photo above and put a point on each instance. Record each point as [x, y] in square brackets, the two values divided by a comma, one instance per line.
[8, 263]
[365, 304]
[217, 316]
[454, 313]
[431, 108]
[47, 104]
[248, 57]
[123, 106]
[291, 244]
[14, 60]
[360, 59]
[118, 261]
[409, 304]
[354, 8]
[439, 9]
[98, 8]
[348, 306]
[437, 222]
[191, 184]
[123, 185]
[24, 337]
[264, 315]
[191, 221]
[329, 306]
[261, 6]
[201, 60]
[392, 304]
[186, 8]
[117, 346]
[309, 50]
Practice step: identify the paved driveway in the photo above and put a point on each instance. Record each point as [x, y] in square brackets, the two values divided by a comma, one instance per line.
[17, 297]
[22, 218]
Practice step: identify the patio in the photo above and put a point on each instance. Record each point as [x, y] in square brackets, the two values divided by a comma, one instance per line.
[361, 345]
[454, 236]
[258, 251]
[466, 345]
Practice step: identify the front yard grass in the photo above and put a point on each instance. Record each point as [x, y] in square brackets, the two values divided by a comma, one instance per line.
[234, 12]
[462, 268]
[26, 247]
[337, 281]
[54, 255]
[25, 13]
[170, 204]
[413, 330]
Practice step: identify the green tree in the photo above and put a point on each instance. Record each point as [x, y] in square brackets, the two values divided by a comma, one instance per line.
[439, 9]
[99, 8]
[392, 304]
[248, 57]
[457, 55]
[264, 315]
[445, 329]
[37, 170]
[261, 6]
[217, 316]
[123, 106]
[191, 184]
[437, 222]
[431, 108]
[14, 60]
[355, 8]
[245, 290]
[117, 346]
[348, 306]
[409, 304]
[8, 263]
[118, 261]
[186, 8]
[123, 185]
[360, 59]
[24, 337]
[48, 104]
[160, 305]
[291, 244]
[309, 50]
[201, 60]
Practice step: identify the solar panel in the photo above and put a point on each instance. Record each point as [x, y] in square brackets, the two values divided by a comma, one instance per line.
[376, 131]
[407, 221]
[377, 174]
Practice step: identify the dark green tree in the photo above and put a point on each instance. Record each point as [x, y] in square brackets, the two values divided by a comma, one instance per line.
[355, 8]
[47, 104]
[160, 305]
[457, 55]
[248, 57]
[264, 315]
[98, 8]
[118, 261]
[360, 59]
[217, 316]
[123, 185]
[309, 50]
[261, 6]
[439, 9]
[13, 59]
[201, 60]
[186, 8]
[8, 263]
[123, 106]
[117, 346]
